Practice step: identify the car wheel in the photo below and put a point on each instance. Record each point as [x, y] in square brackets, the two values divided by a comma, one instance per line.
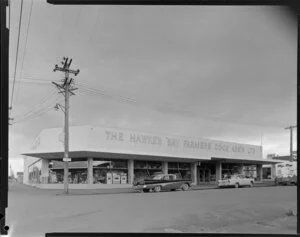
[237, 185]
[157, 189]
[185, 187]
[145, 190]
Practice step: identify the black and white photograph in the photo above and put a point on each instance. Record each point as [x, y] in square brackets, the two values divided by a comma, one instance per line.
[151, 119]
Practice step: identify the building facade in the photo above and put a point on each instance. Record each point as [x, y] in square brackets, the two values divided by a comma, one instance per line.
[110, 158]
[285, 166]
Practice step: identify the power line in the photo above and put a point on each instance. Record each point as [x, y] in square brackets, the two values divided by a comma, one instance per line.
[96, 22]
[17, 53]
[27, 30]
[36, 115]
[105, 93]
[33, 79]
[37, 107]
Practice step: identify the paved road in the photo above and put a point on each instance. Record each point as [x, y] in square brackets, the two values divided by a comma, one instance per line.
[33, 212]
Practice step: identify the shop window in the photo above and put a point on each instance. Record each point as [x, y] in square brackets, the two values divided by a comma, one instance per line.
[138, 164]
[119, 164]
[109, 171]
[184, 165]
[103, 163]
[34, 171]
[154, 165]
[141, 174]
[173, 165]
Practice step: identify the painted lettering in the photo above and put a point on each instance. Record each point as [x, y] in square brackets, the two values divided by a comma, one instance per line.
[132, 137]
[239, 149]
[121, 136]
[107, 135]
[172, 142]
[114, 135]
[221, 147]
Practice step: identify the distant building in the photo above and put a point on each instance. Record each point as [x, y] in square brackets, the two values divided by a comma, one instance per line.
[271, 171]
[285, 158]
[20, 177]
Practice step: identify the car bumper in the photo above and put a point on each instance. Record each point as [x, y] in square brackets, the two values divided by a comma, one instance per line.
[225, 185]
[138, 187]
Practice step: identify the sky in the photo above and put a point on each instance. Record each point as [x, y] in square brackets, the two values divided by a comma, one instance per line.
[219, 72]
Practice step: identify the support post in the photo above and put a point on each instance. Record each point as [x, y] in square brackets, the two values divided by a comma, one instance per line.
[66, 153]
[67, 89]
[90, 171]
[165, 167]
[45, 171]
[259, 173]
[218, 170]
[291, 141]
[194, 172]
[273, 171]
[25, 170]
[130, 166]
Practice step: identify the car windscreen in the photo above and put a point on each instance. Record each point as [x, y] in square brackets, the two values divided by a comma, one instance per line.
[227, 177]
[155, 177]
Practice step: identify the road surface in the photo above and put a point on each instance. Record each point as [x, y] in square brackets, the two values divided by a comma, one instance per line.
[33, 212]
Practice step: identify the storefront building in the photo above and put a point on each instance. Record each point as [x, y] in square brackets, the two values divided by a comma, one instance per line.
[111, 158]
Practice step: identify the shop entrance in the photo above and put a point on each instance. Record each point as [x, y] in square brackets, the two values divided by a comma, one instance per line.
[204, 175]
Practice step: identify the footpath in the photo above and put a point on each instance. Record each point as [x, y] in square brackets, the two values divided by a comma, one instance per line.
[36, 191]
[130, 190]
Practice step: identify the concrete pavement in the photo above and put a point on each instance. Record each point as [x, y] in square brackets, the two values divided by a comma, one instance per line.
[122, 190]
[33, 212]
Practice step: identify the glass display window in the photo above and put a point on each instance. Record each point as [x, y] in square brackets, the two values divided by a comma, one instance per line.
[119, 164]
[139, 164]
[110, 171]
[154, 164]
[141, 174]
[185, 166]
[34, 172]
[173, 165]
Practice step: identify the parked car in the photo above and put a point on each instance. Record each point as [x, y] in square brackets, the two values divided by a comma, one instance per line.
[161, 182]
[236, 181]
[289, 180]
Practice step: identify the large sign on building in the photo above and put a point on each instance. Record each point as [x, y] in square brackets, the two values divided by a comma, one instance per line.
[169, 145]
[112, 140]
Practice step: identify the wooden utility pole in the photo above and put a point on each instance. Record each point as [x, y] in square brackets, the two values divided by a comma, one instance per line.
[67, 89]
[291, 140]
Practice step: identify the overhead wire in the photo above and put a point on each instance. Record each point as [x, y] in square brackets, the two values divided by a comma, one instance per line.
[124, 99]
[24, 54]
[33, 79]
[36, 115]
[37, 107]
[94, 26]
[17, 54]
[92, 91]
[105, 93]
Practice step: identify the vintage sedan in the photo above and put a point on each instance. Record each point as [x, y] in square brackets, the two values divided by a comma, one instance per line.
[237, 180]
[161, 182]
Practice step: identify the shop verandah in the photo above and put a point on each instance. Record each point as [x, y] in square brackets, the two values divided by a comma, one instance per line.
[122, 169]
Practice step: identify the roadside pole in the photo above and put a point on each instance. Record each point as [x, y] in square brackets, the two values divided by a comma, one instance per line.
[291, 141]
[67, 89]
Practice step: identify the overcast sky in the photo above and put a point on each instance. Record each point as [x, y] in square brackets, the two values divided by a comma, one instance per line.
[226, 73]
